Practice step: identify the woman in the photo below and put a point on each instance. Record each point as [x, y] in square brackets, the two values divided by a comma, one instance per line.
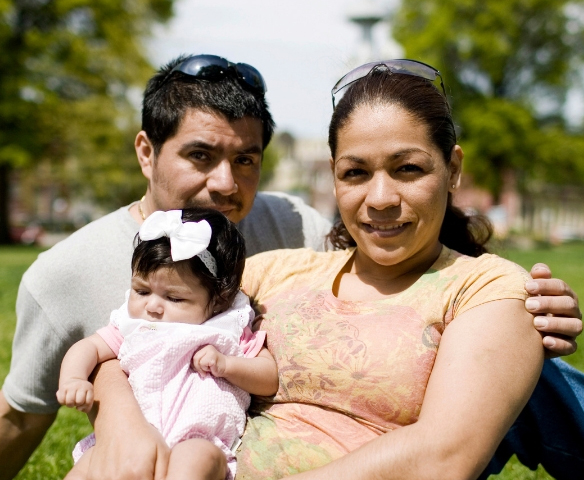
[363, 392]
[356, 332]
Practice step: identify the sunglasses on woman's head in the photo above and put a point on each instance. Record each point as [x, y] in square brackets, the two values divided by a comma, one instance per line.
[213, 69]
[403, 66]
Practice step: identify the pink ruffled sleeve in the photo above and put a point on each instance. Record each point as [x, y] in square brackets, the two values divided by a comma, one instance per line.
[112, 336]
[251, 342]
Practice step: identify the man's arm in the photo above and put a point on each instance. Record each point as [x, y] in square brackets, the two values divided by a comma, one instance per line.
[20, 434]
[127, 446]
[558, 317]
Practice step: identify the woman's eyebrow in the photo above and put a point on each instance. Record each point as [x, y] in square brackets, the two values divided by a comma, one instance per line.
[395, 155]
[407, 151]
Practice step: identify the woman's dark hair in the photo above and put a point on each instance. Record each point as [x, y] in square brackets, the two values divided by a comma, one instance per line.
[227, 247]
[466, 234]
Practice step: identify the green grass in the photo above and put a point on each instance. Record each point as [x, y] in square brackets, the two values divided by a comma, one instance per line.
[52, 460]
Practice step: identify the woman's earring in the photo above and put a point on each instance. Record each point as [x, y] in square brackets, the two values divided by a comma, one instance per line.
[453, 187]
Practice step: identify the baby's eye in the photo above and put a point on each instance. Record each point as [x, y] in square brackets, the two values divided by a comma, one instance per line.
[175, 299]
[142, 292]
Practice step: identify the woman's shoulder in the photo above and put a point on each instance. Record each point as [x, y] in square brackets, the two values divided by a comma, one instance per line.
[487, 264]
[264, 270]
[478, 280]
[293, 259]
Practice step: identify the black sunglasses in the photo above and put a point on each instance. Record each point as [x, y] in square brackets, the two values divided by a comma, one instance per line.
[213, 68]
[403, 66]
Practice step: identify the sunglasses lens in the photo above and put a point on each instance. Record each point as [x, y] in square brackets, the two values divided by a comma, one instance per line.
[354, 75]
[405, 67]
[251, 76]
[203, 66]
[409, 67]
[212, 67]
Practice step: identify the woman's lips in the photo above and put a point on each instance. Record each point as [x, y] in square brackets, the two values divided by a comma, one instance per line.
[385, 229]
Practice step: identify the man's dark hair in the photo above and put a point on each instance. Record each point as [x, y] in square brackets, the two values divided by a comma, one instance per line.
[166, 100]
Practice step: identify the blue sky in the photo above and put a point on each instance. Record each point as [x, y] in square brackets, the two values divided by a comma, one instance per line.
[301, 47]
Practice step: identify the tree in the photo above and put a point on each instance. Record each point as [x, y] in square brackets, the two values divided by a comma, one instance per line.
[66, 69]
[508, 66]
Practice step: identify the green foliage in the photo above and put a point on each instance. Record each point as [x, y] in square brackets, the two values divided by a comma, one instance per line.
[66, 71]
[507, 66]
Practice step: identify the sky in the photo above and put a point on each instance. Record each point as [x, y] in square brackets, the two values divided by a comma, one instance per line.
[301, 47]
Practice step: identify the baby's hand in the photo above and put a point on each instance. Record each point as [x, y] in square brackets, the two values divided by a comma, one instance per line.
[76, 393]
[208, 359]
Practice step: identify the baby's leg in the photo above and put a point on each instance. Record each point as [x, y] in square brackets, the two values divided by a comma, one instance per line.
[81, 468]
[196, 459]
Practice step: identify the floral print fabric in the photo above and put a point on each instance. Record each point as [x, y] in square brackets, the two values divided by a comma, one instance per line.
[350, 371]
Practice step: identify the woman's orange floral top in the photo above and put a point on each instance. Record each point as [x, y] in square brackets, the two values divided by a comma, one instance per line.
[350, 371]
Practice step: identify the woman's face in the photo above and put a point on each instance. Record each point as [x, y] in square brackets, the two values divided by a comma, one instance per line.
[391, 184]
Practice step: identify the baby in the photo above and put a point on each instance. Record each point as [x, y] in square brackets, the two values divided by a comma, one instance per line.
[183, 338]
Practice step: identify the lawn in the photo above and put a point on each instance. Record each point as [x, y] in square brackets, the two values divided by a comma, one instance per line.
[52, 459]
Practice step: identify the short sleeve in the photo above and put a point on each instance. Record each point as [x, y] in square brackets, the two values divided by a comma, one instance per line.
[112, 336]
[37, 351]
[251, 342]
[493, 278]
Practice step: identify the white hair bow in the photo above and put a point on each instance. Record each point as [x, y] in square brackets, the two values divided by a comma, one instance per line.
[186, 239]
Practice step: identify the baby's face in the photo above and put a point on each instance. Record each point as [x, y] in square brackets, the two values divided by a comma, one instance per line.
[169, 295]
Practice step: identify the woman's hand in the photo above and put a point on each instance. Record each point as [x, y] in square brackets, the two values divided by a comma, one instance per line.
[559, 320]
[127, 446]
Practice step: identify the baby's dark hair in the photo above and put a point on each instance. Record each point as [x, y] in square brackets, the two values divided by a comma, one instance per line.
[227, 247]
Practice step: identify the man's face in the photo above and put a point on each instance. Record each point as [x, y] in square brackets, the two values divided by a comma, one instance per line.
[210, 162]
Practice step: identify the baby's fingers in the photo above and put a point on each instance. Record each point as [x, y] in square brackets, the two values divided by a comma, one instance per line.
[84, 400]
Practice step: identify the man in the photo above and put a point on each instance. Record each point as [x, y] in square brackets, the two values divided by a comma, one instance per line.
[205, 124]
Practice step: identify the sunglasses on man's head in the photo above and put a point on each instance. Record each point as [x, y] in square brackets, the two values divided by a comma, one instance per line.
[403, 66]
[213, 68]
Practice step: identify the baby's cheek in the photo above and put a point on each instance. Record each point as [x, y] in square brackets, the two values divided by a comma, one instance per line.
[133, 307]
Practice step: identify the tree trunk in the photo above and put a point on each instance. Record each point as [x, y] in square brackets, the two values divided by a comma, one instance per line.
[4, 204]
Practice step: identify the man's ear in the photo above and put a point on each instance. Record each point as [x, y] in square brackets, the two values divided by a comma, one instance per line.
[145, 154]
[455, 167]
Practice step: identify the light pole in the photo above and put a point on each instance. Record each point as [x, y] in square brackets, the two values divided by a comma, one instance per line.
[366, 14]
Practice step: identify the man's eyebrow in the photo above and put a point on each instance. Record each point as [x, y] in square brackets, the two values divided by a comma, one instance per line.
[253, 149]
[197, 144]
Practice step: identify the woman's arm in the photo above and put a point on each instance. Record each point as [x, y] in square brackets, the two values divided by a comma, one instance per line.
[488, 363]
[257, 375]
[127, 446]
[75, 390]
[559, 319]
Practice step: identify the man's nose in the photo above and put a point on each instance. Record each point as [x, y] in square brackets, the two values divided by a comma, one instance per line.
[221, 179]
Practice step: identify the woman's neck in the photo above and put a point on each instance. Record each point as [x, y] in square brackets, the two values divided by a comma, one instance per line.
[364, 279]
